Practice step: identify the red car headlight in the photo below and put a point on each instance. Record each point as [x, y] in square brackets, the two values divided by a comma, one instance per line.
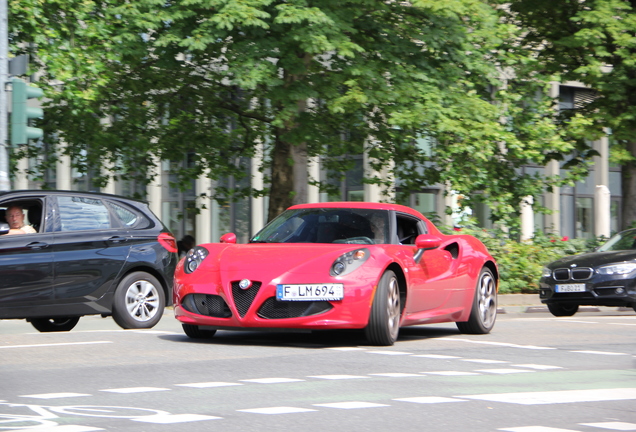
[194, 258]
[348, 262]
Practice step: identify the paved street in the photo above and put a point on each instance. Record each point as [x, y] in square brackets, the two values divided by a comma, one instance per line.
[534, 373]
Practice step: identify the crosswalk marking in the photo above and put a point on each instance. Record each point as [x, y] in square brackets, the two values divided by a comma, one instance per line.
[337, 377]
[271, 380]
[619, 426]
[55, 395]
[555, 397]
[135, 390]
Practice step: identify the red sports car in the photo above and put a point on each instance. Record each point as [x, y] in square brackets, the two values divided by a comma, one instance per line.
[347, 265]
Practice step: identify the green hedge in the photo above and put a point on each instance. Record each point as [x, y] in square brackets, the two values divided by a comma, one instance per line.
[520, 263]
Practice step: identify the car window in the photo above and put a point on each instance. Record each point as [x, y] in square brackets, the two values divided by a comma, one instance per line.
[625, 240]
[408, 228]
[82, 213]
[126, 217]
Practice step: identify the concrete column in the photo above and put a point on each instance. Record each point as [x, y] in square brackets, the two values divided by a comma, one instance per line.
[63, 179]
[257, 183]
[527, 219]
[153, 189]
[553, 201]
[107, 171]
[313, 169]
[373, 192]
[602, 194]
[21, 180]
[203, 222]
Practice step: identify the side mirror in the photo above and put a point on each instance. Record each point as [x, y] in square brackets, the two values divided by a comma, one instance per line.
[425, 242]
[4, 228]
[228, 238]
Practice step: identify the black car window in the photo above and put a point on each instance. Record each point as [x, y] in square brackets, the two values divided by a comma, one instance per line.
[82, 213]
[408, 228]
[126, 217]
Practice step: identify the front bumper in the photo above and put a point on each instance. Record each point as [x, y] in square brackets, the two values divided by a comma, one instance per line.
[599, 291]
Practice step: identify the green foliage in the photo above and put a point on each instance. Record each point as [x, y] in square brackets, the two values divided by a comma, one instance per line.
[520, 263]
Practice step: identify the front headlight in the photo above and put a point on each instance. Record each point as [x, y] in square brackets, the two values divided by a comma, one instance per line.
[617, 269]
[348, 262]
[194, 258]
[546, 272]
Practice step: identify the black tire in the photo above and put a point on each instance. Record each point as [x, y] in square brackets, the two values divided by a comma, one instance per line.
[386, 311]
[194, 332]
[563, 309]
[139, 301]
[483, 313]
[47, 325]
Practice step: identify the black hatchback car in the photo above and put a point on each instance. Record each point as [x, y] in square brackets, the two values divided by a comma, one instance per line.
[87, 254]
[605, 277]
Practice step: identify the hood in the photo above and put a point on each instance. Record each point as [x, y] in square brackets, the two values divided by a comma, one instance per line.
[595, 259]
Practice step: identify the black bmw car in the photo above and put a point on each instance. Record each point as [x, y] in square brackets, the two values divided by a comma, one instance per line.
[83, 254]
[605, 277]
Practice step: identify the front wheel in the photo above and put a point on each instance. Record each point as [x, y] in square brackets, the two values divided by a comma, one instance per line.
[47, 325]
[384, 321]
[563, 310]
[484, 310]
[139, 301]
[194, 332]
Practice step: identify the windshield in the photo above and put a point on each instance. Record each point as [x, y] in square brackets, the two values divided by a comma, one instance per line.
[327, 225]
[625, 240]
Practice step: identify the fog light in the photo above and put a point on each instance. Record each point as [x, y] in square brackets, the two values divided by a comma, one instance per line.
[542, 293]
[620, 290]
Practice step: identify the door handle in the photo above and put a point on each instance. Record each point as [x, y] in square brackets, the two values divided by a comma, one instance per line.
[117, 239]
[37, 245]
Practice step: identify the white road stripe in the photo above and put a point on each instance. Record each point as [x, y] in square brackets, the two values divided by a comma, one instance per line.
[271, 380]
[337, 377]
[619, 426]
[536, 429]
[55, 395]
[135, 390]
[209, 384]
[174, 418]
[555, 397]
[54, 344]
[511, 345]
[600, 353]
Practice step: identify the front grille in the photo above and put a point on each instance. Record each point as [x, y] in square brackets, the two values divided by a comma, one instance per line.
[206, 304]
[243, 298]
[577, 274]
[274, 309]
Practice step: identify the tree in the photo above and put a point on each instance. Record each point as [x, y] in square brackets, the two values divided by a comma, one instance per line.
[594, 42]
[218, 78]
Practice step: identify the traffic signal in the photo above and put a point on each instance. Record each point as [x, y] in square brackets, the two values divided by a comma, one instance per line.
[21, 133]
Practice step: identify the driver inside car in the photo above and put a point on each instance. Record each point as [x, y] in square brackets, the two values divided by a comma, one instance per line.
[15, 218]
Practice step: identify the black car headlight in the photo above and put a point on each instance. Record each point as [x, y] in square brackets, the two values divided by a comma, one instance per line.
[348, 262]
[194, 258]
[617, 269]
[546, 273]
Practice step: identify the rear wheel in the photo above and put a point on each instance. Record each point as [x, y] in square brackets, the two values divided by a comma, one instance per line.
[139, 301]
[562, 309]
[194, 332]
[46, 325]
[484, 310]
[384, 321]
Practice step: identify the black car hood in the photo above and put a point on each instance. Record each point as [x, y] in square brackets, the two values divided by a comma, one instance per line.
[595, 259]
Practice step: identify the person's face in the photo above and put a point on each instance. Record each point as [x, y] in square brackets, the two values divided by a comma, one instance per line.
[15, 218]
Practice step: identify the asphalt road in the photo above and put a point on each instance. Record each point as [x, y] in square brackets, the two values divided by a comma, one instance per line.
[533, 373]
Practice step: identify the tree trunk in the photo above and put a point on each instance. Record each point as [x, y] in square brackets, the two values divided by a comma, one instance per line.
[289, 177]
[628, 184]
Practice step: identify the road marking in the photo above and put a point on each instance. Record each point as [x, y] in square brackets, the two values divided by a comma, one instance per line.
[65, 428]
[271, 380]
[389, 352]
[55, 395]
[450, 373]
[623, 324]
[484, 361]
[135, 390]
[555, 397]
[436, 356]
[396, 375]
[511, 345]
[174, 418]
[600, 353]
[55, 344]
[209, 384]
[337, 377]
[277, 410]
[429, 400]
[619, 426]
[348, 349]
[535, 429]
[351, 405]
[537, 366]
[504, 371]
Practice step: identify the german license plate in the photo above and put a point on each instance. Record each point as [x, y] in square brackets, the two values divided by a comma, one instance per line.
[309, 292]
[562, 288]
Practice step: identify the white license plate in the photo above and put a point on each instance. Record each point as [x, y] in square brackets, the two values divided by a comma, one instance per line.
[309, 292]
[570, 288]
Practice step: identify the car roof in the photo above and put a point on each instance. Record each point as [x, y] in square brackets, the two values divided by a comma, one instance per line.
[361, 205]
[40, 192]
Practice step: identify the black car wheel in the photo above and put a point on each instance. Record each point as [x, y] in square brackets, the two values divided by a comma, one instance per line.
[384, 321]
[484, 310]
[195, 332]
[139, 301]
[46, 325]
[561, 310]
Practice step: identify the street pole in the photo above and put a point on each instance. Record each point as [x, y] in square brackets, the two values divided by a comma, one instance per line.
[5, 185]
